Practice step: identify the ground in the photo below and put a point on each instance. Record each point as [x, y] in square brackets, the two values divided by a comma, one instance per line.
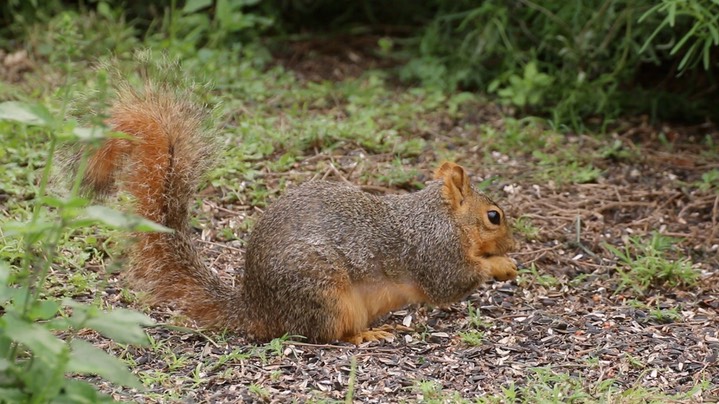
[618, 293]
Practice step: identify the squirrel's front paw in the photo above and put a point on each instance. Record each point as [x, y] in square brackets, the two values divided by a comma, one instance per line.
[501, 267]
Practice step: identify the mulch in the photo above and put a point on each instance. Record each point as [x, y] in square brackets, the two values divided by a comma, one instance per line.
[577, 323]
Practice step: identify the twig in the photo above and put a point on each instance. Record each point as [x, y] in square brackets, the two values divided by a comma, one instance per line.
[715, 213]
[185, 330]
[336, 172]
[222, 246]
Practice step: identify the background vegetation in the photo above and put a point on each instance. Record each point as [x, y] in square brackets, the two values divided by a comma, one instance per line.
[569, 61]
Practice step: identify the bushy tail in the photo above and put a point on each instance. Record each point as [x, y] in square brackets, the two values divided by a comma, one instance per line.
[170, 148]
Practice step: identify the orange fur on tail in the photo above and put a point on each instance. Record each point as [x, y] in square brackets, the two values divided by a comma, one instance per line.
[104, 164]
[169, 149]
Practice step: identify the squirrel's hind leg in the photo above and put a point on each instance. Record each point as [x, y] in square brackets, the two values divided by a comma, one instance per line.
[362, 303]
[353, 318]
[370, 335]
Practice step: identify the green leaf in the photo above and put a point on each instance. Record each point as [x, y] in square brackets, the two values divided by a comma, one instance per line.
[194, 5]
[651, 37]
[684, 39]
[10, 395]
[224, 13]
[34, 336]
[77, 391]
[29, 114]
[5, 344]
[119, 220]
[57, 202]
[5, 267]
[104, 10]
[88, 134]
[85, 358]
[530, 71]
[24, 228]
[121, 325]
[43, 310]
[81, 313]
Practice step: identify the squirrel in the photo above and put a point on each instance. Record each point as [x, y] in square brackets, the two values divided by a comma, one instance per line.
[324, 261]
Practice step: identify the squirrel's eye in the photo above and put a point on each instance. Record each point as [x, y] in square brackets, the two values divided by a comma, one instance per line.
[494, 217]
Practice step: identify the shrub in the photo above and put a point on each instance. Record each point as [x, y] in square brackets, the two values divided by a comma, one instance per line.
[573, 60]
[40, 341]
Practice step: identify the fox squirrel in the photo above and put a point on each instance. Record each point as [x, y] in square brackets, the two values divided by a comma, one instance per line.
[324, 261]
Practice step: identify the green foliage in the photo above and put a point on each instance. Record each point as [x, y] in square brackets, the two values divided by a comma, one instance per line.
[40, 344]
[472, 338]
[548, 386]
[69, 35]
[15, 15]
[526, 90]
[573, 60]
[532, 275]
[431, 392]
[259, 391]
[645, 263]
[349, 396]
[694, 46]
[709, 181]
[523, 225]
[565, 60]
[573, 172]
[399, 175]
[670, 315]
[208, 24]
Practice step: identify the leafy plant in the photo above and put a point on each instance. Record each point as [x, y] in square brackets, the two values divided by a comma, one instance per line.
[432, 393]
[555, 168]
[548, 386]
[546, 280]
[573, 60]
[523, 225]
[665, 315]
[709, 181]
[473, 337]
[476, 320]
[644, 264]
[398, 175]
[529, 89]
[259, 391]
[208, 24]
[695, 45]
[40, 343]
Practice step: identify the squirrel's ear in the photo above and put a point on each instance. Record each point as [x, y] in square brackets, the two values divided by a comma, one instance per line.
[456, 183]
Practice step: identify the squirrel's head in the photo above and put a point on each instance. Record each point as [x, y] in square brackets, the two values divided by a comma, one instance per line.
[483, 223]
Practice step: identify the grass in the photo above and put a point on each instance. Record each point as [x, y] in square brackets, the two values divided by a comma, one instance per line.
[523, 226]
[545, 385]
[533, 276]
[472, 338]
[646, 263]
[549, 386]
[663, 316]
[709, 180]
